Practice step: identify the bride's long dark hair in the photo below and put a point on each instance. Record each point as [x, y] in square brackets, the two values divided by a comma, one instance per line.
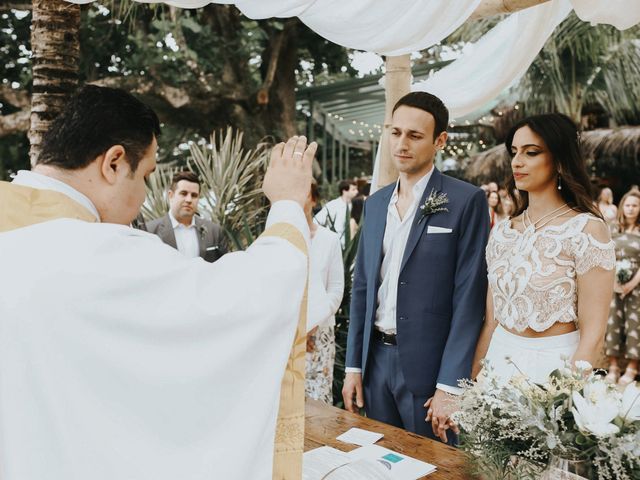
[562, 138]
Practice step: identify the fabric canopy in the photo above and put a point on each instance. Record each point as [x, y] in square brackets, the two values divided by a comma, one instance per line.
[495, 61]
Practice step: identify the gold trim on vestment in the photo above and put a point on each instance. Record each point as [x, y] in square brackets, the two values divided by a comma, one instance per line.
[289, 441]
[24, 206]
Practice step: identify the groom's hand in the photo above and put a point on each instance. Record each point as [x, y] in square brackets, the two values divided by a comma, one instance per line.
[439, 409]
[351, 387]
[289, 174]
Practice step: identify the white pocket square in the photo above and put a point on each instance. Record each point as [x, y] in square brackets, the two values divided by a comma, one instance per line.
[434, 229]
[209, 249]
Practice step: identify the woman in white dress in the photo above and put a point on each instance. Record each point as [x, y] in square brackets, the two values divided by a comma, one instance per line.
[551, 265]
[608, 209]
[326, 286]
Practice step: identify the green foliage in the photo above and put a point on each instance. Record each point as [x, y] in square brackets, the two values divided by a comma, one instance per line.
[230, 193]
[583, 64]
[232, 183]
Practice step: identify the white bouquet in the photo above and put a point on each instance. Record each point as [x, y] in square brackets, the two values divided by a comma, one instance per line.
[514, 430]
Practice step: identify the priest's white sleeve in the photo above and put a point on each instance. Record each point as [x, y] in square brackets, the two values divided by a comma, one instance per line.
[121, 358]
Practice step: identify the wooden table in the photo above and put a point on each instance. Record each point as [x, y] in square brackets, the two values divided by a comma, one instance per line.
[324, 423]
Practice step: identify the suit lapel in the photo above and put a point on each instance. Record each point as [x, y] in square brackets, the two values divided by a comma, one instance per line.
[166, 232]
[201, 238]
[379, 220]
[435, 183]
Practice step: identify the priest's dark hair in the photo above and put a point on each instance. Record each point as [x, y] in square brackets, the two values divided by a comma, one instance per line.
[430, 104]
[562, 138]
[94, 120]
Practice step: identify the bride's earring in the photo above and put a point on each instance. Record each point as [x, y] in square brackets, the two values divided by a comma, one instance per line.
[559, 182]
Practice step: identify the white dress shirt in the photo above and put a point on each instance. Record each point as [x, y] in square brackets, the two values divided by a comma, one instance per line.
[334, 216]
[396, 234]
[186, 237]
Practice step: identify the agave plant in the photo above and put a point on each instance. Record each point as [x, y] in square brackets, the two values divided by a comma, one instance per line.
[232, 184]
[156, 204]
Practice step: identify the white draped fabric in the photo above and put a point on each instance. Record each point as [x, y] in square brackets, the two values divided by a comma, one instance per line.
[496, 61]
[381, 26]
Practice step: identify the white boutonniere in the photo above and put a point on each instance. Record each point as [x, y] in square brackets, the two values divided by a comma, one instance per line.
[434, 203]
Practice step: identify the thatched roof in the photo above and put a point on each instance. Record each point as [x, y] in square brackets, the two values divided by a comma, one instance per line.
[613, 149]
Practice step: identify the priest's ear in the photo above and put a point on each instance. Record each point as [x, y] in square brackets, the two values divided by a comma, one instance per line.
[114, 164]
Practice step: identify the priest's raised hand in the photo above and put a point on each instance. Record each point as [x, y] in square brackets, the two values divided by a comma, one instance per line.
[289, 174]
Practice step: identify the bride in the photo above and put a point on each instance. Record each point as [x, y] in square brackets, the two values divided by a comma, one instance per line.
[551, 265]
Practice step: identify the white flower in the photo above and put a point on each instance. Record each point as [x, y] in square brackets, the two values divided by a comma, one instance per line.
[630, 408]
[583, 365]
[595, 417]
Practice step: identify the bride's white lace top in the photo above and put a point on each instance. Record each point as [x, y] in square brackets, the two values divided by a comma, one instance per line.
[533, 274]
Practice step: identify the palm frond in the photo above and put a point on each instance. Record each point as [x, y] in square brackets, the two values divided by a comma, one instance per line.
[232, 181]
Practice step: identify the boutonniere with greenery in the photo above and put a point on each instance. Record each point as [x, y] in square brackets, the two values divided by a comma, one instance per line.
[202, 231]
[433, 204]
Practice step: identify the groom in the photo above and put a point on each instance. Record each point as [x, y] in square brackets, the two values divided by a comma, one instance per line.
[420, 281]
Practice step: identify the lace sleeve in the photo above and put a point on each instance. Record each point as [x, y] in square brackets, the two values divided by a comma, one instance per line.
[594, 247]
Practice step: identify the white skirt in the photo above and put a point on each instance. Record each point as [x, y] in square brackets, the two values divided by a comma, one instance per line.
[510, 355]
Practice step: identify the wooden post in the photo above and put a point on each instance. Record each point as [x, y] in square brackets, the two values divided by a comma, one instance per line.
[325, 147]
[346, 165]
[310, 123]
[397, 84]
[333, 153]
[340, 160]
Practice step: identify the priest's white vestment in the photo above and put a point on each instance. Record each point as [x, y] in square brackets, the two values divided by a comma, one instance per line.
[121, 359]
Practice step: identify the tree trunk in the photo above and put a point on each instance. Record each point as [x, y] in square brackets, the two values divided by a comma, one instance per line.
[56, 52]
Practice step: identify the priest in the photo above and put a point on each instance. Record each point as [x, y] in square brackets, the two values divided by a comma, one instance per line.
[119, 357]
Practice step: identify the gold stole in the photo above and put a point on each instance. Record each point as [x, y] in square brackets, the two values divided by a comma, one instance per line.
[289, 443]
[23, 206]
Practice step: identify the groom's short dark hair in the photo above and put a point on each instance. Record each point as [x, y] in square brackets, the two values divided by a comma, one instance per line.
[430, 104]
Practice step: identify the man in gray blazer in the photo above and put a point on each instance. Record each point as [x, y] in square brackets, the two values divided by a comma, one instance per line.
[181, 228]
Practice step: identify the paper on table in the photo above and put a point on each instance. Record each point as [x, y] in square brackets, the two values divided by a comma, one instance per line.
[400, 466]
[363, 469]
[317, 463]
[361, 437]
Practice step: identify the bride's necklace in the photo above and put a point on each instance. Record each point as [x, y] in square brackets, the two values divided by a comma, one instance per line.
[542, 221]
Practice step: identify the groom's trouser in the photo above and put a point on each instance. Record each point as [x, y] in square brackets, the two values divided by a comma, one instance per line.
[386, 396]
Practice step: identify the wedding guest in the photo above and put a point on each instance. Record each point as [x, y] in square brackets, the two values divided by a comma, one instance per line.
[493, 187]
[551, 264]
[507, 206]
[607, 208]
[326, 274]
[623, 329]
[496, 213]
[419, 283]
[182, 228]
[335, 213]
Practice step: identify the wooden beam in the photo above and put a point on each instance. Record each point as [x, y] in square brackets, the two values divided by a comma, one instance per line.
[489, 8]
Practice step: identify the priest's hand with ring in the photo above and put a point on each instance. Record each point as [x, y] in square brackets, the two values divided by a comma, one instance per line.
[288, 176]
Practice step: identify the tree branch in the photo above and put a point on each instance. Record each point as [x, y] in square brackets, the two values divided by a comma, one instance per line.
[14, 123]
[17, 98]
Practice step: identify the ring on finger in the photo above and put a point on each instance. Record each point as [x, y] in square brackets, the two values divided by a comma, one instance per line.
[298, 153]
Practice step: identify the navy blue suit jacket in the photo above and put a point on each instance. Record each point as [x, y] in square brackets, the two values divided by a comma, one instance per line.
[441, 288]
